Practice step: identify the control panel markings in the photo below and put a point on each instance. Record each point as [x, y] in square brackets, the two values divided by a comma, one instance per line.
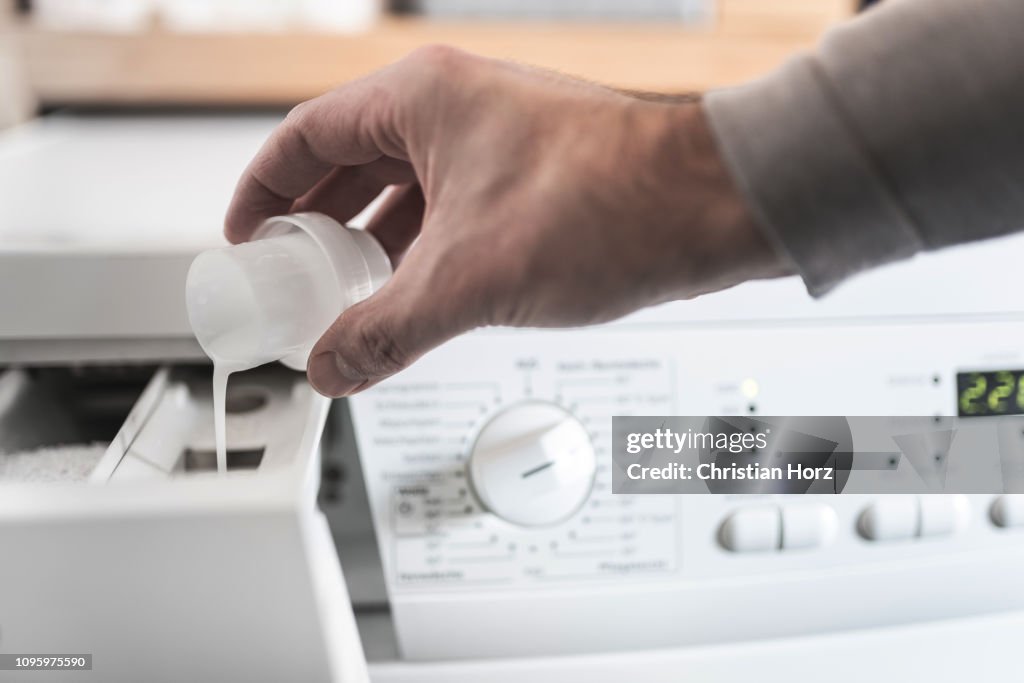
[481, 558]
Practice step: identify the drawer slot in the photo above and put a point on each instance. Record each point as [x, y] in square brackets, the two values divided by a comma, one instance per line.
[56, 422]
[169, 432]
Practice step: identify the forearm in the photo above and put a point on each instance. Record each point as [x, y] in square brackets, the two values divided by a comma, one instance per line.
[902, 132]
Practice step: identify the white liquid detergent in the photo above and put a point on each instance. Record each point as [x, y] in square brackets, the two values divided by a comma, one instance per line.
[220, 413]
[273, 297]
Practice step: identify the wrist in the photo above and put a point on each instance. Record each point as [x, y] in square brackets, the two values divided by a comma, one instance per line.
[723, 243]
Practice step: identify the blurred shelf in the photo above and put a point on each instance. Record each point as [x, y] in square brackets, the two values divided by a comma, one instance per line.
[159, 67]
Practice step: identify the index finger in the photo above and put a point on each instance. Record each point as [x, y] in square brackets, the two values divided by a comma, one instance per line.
[348, 126]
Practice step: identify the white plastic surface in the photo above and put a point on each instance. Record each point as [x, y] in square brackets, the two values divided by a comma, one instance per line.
[273, 297]
[533, 464]
[185, 576]
[952, 651]
[635, 571]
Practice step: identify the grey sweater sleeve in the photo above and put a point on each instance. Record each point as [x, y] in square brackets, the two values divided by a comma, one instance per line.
[903, 131]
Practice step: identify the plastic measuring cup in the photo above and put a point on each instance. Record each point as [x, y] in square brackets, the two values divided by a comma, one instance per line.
[273, 297]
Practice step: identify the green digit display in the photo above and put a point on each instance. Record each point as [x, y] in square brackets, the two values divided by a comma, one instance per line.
[970, 397]
[990, 393]
[1005, 382]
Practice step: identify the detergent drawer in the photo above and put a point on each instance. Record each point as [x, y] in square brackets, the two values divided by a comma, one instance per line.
[119, 422]
[273, 421]
[159, 566]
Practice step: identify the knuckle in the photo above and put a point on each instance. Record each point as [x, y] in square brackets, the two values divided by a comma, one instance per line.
[435, 66]
[299, 113]
[434, 79]
[300, 123]
[437, 56]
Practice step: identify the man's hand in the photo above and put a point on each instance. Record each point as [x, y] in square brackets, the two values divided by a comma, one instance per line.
[533, 200]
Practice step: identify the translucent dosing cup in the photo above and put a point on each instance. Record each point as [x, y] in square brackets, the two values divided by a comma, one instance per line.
[273, 297]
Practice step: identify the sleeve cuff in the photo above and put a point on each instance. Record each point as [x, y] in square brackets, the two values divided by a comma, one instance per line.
[807, 178]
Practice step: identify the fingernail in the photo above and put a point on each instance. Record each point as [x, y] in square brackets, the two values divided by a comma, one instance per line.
[331, 376]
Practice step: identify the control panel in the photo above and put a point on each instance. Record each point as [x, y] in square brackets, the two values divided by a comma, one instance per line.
[487, 466]
[490, 478]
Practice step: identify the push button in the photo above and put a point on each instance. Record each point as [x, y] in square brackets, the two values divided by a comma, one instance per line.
[1008, 510]
[894, 518]
[751, 530]
[943, 515]
[807, 525]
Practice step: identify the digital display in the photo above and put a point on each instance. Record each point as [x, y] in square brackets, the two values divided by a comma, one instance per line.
[994, 392]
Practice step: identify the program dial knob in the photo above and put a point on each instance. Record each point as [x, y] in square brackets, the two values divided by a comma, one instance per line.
[532, 464]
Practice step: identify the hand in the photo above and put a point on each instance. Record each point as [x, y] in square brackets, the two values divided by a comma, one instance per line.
[537, 200]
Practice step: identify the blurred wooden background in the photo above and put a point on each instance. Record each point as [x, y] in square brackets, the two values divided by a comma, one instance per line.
[157, 66]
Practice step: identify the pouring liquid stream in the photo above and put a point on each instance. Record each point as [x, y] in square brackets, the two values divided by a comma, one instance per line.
[222, 370]
[220, 389]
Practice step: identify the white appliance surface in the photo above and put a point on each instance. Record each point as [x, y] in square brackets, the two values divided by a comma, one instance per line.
[122, 184]
[165, 570]
[983, 649]
[651, 570]
[618, 588]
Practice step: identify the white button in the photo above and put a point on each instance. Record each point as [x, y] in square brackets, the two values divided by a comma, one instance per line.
[807, 525]
[750, 530]
[1008, 510]
[892, 518]
[943, 515]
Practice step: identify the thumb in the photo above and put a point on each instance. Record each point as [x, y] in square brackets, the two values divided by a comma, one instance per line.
[380, 336]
